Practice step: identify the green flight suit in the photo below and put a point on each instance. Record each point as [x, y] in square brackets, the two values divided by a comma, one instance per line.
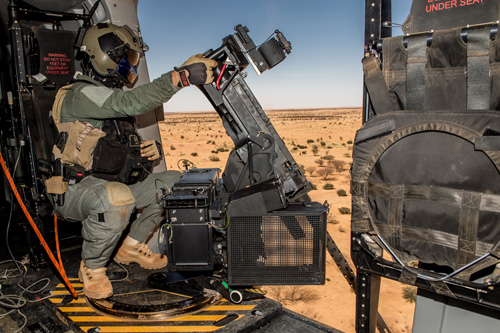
[104, 207]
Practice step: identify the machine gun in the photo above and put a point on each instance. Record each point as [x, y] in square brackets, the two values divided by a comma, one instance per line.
[254, 223]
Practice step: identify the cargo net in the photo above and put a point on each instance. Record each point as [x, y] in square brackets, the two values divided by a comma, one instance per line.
[277, 250]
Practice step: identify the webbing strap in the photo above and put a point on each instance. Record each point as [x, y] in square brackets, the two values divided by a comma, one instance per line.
[407, 276]
[376, 86]
[467, 229]
[441, 288]
[447, 196]
[415, 72]
[395, 214]
[431, 236]
[478, 68]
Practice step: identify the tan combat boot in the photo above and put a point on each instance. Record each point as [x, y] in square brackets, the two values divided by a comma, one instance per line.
[95, 282]
[133, 251]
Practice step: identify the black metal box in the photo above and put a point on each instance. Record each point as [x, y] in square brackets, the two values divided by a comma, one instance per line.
[188, 215]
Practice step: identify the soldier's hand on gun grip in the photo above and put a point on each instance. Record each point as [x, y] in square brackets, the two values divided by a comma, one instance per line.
[150, 149]
[196, 70]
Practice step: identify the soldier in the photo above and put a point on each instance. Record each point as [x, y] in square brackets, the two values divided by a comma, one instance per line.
[108, 165]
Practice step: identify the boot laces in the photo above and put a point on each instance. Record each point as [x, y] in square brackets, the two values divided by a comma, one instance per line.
[97, 272]
[143, 248]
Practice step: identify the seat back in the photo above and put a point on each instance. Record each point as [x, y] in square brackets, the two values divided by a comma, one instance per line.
[52, 66]
[426, 163]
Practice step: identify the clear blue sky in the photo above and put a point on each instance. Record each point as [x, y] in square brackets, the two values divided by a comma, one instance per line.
[323, 70]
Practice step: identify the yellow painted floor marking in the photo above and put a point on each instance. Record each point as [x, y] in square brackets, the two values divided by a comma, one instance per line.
[76, 285]
[80, 319]
[230, 307]
[131, 329]
[76, 309]
[60, 292]
[59, 300]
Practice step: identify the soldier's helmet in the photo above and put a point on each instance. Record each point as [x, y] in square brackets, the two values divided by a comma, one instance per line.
[113, 51]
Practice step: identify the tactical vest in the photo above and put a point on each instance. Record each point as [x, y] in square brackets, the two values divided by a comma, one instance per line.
[112, 153]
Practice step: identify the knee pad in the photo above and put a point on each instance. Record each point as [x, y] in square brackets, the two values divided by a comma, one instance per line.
[119, 194]
[121, 203]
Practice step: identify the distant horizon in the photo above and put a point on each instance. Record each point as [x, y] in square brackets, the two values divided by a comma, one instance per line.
[278, 110]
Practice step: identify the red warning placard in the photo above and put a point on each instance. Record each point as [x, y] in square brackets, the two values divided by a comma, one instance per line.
[436, 5]
[57, 64]
[427, 15]
[56, 54]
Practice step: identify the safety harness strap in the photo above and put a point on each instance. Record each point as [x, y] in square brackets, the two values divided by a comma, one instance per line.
[415, 81]
[478, 68]
[376, 86]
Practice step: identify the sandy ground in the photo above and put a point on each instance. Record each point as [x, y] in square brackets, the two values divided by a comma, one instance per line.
[313, 137]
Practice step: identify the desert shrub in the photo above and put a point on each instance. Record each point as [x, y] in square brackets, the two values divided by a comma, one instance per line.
[314, 187]
[337, 164]
[328, 158]
[343, 144]
[315, 150]
[182, 136]
[295, 149]
[214, 158]
[302, 168]
[303, 152]
[214, 151]
[341, 193]
[344, 210]
[342, 229]
[310, 141]
[410, 294]
[286, 294]
[310, 170]
[328, 186]
[172, 148]
[347, 155]
[331, 219]
[194, 154]
[326, 172]
[322, 143]
[209, 142]
[319, 162]
[349, 142]
[302, 147]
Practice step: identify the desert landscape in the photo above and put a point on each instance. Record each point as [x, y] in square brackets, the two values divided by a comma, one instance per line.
[321, 142]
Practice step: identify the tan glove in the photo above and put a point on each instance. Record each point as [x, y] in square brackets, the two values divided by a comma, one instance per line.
[196, 70]
[149, 149]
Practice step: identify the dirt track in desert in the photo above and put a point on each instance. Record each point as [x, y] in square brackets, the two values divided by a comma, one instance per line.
[320, 140]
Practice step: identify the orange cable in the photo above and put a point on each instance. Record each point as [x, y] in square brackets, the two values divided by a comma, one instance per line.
[58, 266]
[62, 271]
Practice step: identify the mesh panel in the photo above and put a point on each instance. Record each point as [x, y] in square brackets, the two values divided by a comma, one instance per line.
[279, 250]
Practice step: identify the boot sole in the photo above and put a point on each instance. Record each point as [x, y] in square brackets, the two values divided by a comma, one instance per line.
[127, 262]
